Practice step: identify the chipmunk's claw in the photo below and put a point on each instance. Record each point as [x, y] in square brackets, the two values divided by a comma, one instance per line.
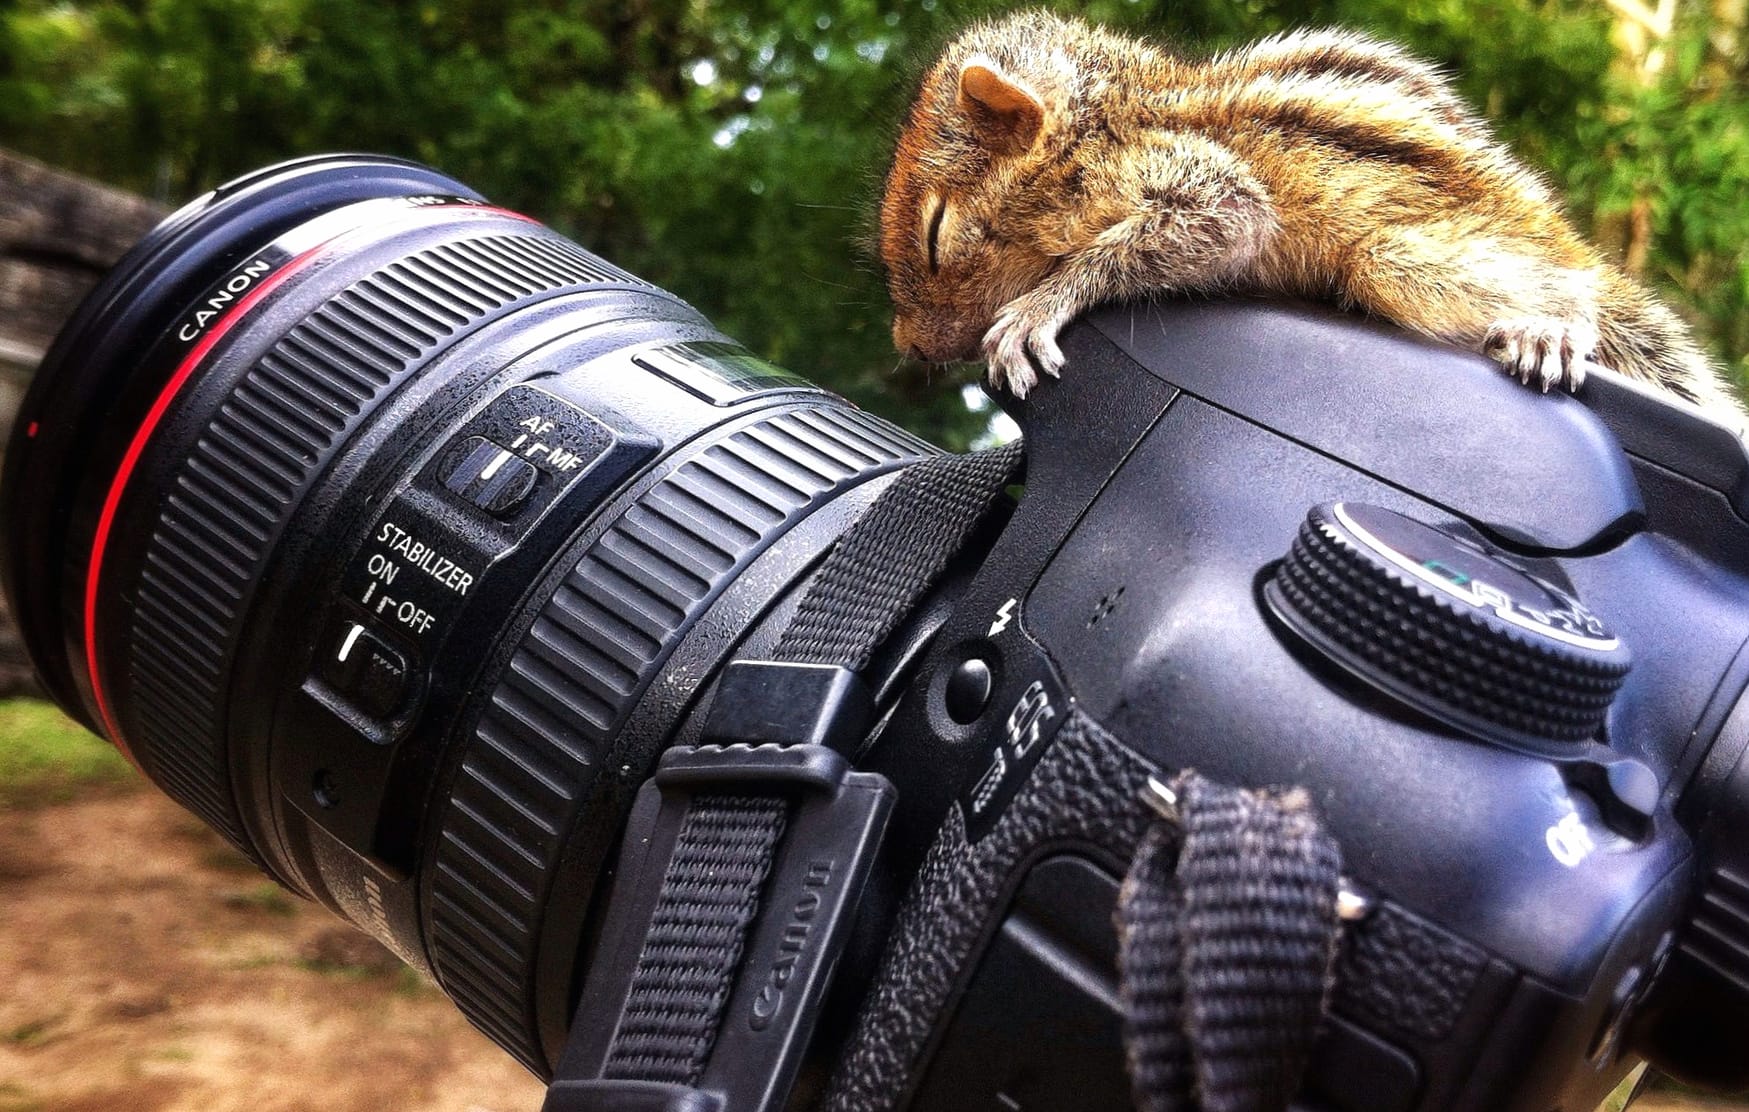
[1022, 343]
[1543, 352]
[1006, 362]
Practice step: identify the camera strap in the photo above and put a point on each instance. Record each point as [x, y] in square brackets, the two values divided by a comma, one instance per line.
[744, 857]
[1227, 941]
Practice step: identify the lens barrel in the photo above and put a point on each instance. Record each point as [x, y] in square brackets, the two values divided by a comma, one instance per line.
[395, 536]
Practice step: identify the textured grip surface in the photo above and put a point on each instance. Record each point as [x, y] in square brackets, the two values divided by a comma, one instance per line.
[580, 670]
[245, 475]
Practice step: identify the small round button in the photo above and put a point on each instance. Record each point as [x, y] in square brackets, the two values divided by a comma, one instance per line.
[968, 690]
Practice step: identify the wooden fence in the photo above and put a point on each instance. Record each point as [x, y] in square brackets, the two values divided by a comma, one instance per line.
[58, 234]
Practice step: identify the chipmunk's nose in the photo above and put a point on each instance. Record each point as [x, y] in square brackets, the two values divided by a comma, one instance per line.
[927, 341]
[909, 341]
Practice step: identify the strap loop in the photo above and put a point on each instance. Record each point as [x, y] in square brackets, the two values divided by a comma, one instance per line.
[1227, 928]
[738, 882]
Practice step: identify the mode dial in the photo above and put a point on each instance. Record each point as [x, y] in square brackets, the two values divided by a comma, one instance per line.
[1447, 627]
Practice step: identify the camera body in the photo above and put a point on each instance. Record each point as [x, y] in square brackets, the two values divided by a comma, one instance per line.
[1540, 912]
[399, 539]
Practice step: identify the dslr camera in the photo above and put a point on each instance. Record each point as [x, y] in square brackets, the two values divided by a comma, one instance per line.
[454, 575]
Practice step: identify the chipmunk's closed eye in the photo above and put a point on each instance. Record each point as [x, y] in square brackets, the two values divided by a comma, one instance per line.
[934, 235]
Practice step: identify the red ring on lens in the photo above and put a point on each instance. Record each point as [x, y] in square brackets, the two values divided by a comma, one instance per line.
[142, 436]
[185, 371]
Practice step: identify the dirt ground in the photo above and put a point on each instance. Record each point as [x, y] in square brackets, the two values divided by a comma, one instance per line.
[147, 968]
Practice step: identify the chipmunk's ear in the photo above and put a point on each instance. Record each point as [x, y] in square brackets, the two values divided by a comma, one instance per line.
[1006, 115]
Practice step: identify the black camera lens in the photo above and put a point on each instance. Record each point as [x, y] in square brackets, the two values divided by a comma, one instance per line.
[395, 535]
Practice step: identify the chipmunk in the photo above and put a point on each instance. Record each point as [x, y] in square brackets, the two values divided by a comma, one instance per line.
[1049, 165]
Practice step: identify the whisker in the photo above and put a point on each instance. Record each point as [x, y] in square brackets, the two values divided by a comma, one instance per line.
[826, 281]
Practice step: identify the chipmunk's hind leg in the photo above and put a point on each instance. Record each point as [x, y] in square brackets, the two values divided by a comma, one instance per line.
[1643, 339]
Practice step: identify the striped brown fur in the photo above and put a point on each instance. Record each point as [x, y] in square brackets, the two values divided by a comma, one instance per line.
[1062, 165]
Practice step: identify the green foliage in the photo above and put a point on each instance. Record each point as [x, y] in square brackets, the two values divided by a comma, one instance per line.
[732, 149]
[1679, 148]
[45, 757]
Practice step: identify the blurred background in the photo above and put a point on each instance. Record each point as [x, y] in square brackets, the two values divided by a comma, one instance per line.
[731, 150]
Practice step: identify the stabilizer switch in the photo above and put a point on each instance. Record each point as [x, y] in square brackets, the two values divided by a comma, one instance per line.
[363, 666]
[1448, 627]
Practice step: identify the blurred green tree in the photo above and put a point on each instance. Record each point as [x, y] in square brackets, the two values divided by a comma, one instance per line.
[732, 149]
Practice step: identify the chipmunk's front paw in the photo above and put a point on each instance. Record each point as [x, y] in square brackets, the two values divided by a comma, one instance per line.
[1022, 342]
[1542, 351]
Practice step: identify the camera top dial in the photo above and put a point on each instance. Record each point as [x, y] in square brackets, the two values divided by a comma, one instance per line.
[1447, 627]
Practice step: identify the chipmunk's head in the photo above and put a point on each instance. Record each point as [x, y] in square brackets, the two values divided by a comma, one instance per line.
[963, 195]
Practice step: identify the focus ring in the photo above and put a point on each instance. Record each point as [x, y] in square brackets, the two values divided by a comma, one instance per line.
[533, 760]
[245, 475]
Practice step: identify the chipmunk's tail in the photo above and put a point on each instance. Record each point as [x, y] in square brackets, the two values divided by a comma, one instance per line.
[1639, 336]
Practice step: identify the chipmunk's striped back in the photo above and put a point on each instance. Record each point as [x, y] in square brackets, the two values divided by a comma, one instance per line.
[1049, 165]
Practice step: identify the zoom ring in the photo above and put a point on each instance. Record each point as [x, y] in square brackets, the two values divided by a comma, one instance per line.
[1416, 640]
[247, 473]
[531, 765]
